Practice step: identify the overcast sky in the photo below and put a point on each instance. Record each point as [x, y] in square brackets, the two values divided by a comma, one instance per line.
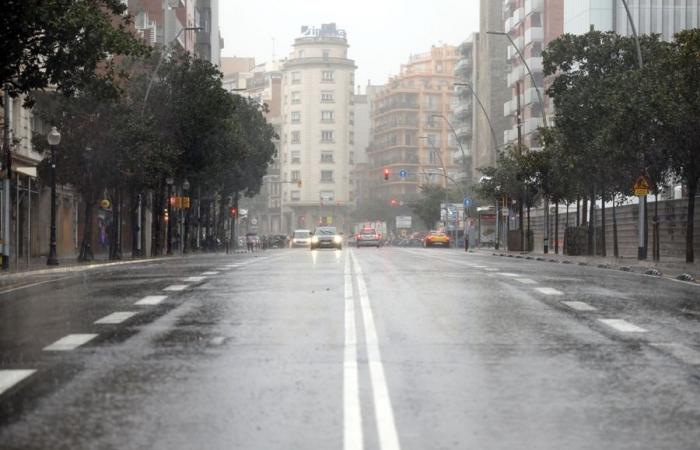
[381, 33]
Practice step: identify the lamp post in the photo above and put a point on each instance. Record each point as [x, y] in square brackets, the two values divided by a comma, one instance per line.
[169, 243]
[53, 138]
[461, 149]
[183, 220]
[483, 109]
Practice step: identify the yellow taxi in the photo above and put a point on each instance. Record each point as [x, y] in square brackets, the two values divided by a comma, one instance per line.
[436, 238]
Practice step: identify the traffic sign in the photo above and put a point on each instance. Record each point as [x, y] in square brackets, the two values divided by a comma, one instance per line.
[467, 202]
[641, 187]
[403, 173]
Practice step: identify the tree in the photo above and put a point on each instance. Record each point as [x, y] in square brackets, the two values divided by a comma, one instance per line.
[62, 43]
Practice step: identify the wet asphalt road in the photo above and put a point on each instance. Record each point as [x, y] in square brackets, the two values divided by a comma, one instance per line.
[363, 348]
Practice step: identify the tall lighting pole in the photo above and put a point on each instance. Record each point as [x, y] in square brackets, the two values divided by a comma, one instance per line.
[642, 249]
[483, 109]
[169, 243]
[53, 138]
[544, 122]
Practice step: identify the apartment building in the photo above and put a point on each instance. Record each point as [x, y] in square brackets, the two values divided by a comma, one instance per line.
[465, 74]
[411, 134]
[317, 129]
[664, 17]
[532, 24]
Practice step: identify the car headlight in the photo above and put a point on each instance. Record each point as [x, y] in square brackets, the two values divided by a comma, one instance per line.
[314, 239]
[337, 239]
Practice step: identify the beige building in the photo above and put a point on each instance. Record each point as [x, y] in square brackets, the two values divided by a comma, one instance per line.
[408, 139]
[317, 129]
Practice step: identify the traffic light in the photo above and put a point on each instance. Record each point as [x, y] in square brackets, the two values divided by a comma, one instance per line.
[233, 212]
[386, 174]
[186, 202]
[393, 202]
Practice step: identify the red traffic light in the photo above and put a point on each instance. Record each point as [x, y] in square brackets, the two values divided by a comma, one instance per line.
[386, 174]
[393, 202]
[233, 212]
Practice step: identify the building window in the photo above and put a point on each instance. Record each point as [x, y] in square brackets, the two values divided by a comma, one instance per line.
[326, 176]
[296, 77]
[327, 116]
[352, 137]
[296, 97]
[301, 53]
[327, 196]
[327, 97]
[327, 136]
[296, 157]
[327, 76]
[296, 117]
[296, 137]
[295, 196]
[296, 175]
[327, 156]
[326, 54]
[352, 117]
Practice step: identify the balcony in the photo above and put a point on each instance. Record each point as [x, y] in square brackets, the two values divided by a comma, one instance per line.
[464, 131]
[514, 20]
[533, 6]
[464, 66]
[510, 107]
[534, 34]
[515, 75]
[531, 125]
[463, 91]
[464, 109]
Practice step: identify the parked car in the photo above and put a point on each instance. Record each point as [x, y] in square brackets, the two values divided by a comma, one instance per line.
[368, 237]
[326, 237]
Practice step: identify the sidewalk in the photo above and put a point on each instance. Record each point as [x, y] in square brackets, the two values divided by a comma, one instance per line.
[669, 267]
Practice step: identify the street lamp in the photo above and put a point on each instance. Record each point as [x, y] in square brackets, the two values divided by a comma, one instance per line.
[169, 249]
[53, 138]
[461, 149]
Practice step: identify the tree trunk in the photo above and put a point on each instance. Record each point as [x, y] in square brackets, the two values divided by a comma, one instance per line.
[521, 223]
[655, 230]
[135, 225]
[690, 222]
[591, 225]
[86, 244]
[527, 240]
[157, 225]
[556, 228]
[116, 238]
[616, 247]
[584, 211]
[578, 212]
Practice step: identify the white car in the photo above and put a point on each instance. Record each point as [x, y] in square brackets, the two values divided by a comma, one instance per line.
[301, 238]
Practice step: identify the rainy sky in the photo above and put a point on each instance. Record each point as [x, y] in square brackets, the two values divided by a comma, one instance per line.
[382, 33]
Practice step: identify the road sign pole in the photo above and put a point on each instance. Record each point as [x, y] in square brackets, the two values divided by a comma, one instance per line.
[640, 251]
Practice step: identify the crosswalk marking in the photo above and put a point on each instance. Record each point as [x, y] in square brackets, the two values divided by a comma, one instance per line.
[549, 291]
[580, 306]
[680, 351]
[194, 279]
[70, 342]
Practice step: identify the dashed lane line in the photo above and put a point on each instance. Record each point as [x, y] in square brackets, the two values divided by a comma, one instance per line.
[176, 287]
[622, 325]
[151, 300]
[9, 378]
[194, 279]
[352, 411]
[525, 281]
[209, 273]
[680, 351]
[549, 291]
[580, 306]
[70, 342]
[384, 415]
[115, 318]
[506, 274]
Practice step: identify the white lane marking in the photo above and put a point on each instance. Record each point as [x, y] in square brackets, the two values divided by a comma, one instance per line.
[580, 306]
[151, 300]
[210, 273]
[384, 415]
[352, 412]
[114, 318]
[70, 342]
[479, 267]
[491, 269]
[194, 279]
[9, 378]
[623, 325]
[176, 287]
[506, 274]
[680, 351]
[526, 281]
[549, 291]
[223, 268]
[218, 340]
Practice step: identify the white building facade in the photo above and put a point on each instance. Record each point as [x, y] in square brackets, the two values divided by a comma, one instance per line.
[664, 17]
[317, 130]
